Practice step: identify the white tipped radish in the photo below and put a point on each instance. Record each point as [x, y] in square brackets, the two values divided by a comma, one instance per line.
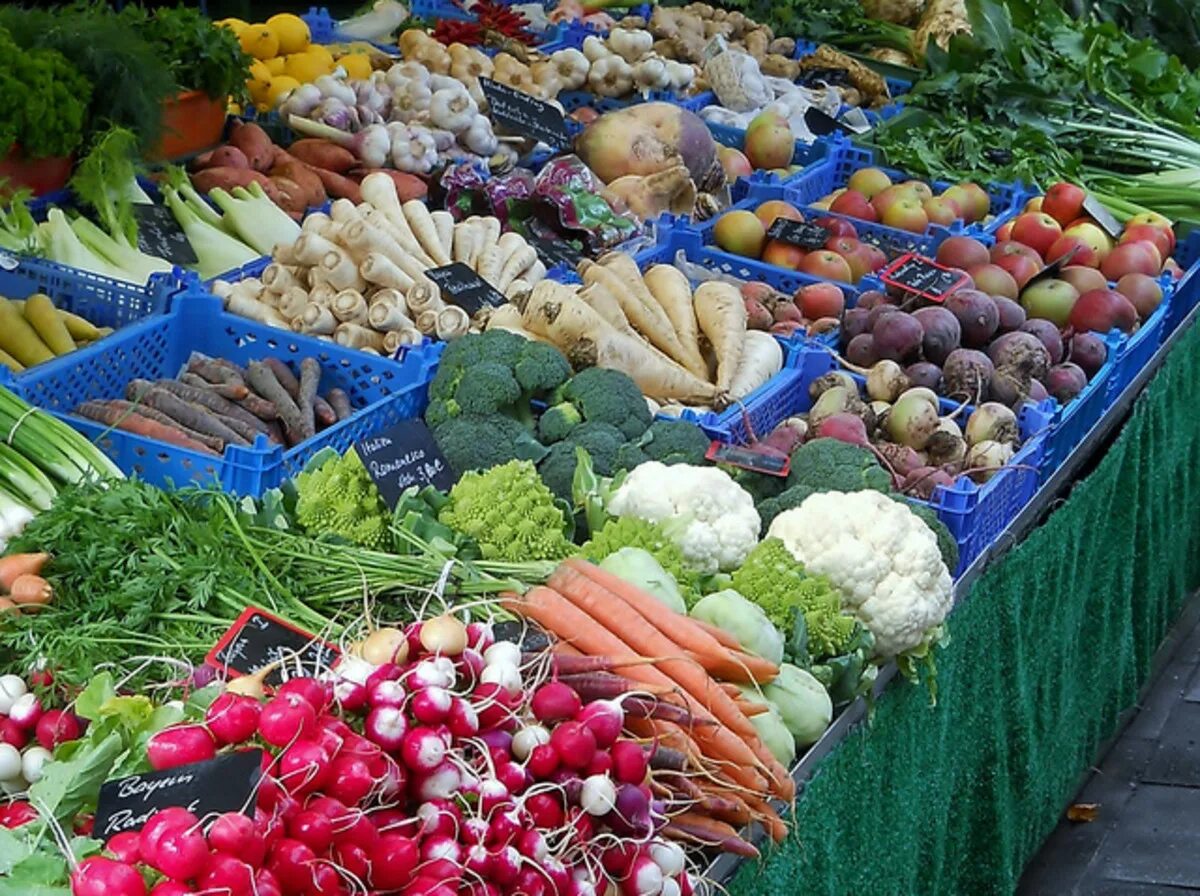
[668, 856]
[527, 738]
[504, 675]
[442, 783]
[598, 796]
[502, 652]
[10, 762]
[11, 687]
[424, 749]
[431, 674]
[444, 635]
[386, 726]
[26, 710]
[645, 878]
[431, 706]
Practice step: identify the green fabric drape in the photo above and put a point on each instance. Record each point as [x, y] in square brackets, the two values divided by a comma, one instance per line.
[1050, 646]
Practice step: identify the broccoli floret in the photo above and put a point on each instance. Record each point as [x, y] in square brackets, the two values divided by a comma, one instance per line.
[947, 546]
[541, 368]
[675, 442]
[631, 532]
[630, 456]
[339, 498]
[770, 508]
[479, 441]
[509, 512]
[602, 443]
[608, 396]
[761, 486]
[835, 466]
[557, 422]
[487, 388]
[438, 412]
[778, 582]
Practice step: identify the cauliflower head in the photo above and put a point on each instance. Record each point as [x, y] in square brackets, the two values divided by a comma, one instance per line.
[880, 555]
[715, 518]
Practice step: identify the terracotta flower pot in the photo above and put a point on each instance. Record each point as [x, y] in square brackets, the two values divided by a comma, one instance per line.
[192, 122]
[40, 175]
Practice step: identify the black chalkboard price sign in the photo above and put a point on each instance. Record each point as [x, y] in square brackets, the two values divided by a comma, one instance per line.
[804, 234]
[403, 456]
[749, 457]
[224, 784]
[159, 234]
[917, 274]
[553, 251]
[461, 286]
[524, 114]
[258, 639]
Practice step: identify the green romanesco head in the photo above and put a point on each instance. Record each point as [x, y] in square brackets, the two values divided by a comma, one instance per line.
[339, 498]
[509, 512]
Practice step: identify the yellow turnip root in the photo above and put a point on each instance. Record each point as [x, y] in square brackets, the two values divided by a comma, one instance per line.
[721, 314]
[672, 291]
[648, 138]
[648, 197]
[555, 312]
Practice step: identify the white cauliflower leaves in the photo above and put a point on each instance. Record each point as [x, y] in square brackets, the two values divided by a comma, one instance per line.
[880, 555]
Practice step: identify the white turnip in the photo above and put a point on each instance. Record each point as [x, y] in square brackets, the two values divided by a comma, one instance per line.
[991, 422]
[912, 420]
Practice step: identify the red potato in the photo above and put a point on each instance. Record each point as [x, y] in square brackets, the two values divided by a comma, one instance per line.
[227, 178]
[323, 154]
[254, 144]
[408, 186]
[338, 186]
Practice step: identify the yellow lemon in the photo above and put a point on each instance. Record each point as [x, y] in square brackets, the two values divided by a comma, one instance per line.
[259, 82]
[291, 30]
[280, 86]
[234, 25]
[322, 53]
[304, 67]
[357, 65]
[259, 42]
[275, 65]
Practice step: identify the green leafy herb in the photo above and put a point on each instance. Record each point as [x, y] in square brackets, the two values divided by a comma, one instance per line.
[43, 100]
[201, 55]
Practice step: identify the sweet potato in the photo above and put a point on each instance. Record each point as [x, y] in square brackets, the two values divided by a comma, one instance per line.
[408, 186]
[304, 177]
[292, 197]
[228, 157]
[254, 144]
[339, 186]
[323, 154]
[227, 178]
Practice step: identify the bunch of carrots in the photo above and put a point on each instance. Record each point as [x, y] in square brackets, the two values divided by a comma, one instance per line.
[22, 587]
[724, 774]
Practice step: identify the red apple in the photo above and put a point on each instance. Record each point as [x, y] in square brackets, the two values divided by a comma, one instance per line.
[819, 300]
[826, 265]
[1064, 202]
[962, 252]
[1022, 267]
[994, 280]
[861, 261]
[1003, 231]
[876, 258]
[1033, 205]
[1091, 234]
[854, 204]
[777, 208]
[1155, 220]
[1162, 237]
[837, 226]
[734, 162]
[1103, 309]
[942, 210]
[1051, 300]
[869, 181]
[1005, 248]
[1085, 254]
[1140, 256]
[887, 198]
[1036, 230]
[1142, 291]
[842, 245]
[906, 214]
[782, 254]
[1083, 278]
[741, 233]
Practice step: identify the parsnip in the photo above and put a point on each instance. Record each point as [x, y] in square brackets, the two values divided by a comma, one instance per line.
[311, 247]
[444, 222]
[425, 231]
[317, 320]
[394, 340]
[341, 271]
[322, 294]
[385, 314]
[427, 322]
[381, 270]
[244, 306]
[344, 211]
[401, 233]
[291, 302]
[452, 322]
[490, 261]
[606, 305]
[422, 297]
[354, 335]
[669, 287]
[278, 277]
[762, 358]
[349, 307]
[518, 256]
[464, 240]
[721, 314]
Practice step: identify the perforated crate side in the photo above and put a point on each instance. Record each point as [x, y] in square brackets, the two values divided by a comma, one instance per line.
[1071, 422]
[1187, 290]
[1136, 351]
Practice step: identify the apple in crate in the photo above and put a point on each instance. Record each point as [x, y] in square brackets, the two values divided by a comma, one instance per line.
[994, 280]
[869, 182]
[1037, 230]
[741, 233]
[1051, 300]
[734, 162]
[1143, 292]
[769, 142]
[962, 252]
[1083, 278]
[1162, 237]
[826, 265]
[1022, 267]
[772, 209]
[906, 214]
[1085, 253]
[1090, 233]
[853, 203]
[1064, 202]
[783, 255]
[941, 210]
[817, 300]
[1139, 256]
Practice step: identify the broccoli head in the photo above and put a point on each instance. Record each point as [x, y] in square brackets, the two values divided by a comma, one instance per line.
[630, 456]
[557, 422]
[602, 443]
[608, 396]
[540, 368]
[675, 442]
[835, 466]
[486, 388]
[479, 441]
[338, 498]
[509, 512]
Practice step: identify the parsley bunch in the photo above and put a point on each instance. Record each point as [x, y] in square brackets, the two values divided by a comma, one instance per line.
[43, 101]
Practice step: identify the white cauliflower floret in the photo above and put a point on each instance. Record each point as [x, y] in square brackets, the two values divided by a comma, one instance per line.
[715, 523]
[880, 555]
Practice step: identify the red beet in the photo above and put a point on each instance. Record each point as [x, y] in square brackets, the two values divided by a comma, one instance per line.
[1049, 336]
[757, 315]
[861, 350]
[1037, 392]
[925, 373]
[897, 336]
[976, 313]
[1101, 310]
[943, 333]
[844, 427]
[1089, 352]
[1065, 381]
[922, 481]
[877, 312]
[967, 374]
[871, 298]
[1020, 353]
[854, 323]
[1012, 315]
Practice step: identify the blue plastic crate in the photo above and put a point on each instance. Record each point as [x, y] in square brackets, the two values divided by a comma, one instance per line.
[570, 36]
[382, 392]
[1136, 351]
[845, 158]
[1070, 423]
[1187, 290]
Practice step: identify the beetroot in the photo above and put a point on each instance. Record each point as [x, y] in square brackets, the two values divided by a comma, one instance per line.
[967, 374]
[1012, 315]
[1103, 309]
[1021, 354]
[861, 350]
[977, 315]
[1065, 381]
[943, 333]
[854, 323]
[925, 373]
[757, 315]
[1089, 352]
[786, 312]
[872, 298]
[921, 481]
[897, 336]
[1008, 389]
[877, 312]
[844, 427]
[1049, 336]
[1037, 392]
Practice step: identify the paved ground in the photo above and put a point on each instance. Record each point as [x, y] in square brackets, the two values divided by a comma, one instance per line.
[1146, 837]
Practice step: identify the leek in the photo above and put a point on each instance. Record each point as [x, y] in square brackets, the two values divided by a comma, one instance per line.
[63, 246]
[55, 448]
[137, 264]
[14, 515]
[22, 478]
[217, 252]
[257, 220]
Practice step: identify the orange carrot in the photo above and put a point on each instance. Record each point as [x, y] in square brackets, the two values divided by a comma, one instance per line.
[704, 648]
[139, 425]
[15, 565]
[766, 815]
[30, 589]
[751, 709]
[722, 637]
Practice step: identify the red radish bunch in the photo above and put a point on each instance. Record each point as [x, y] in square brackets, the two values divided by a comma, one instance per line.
[422, 764]
[29, 732]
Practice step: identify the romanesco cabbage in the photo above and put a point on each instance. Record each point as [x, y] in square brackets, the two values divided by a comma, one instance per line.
[632, 532]
[510, 513]
[339, 498]
[777, 582]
